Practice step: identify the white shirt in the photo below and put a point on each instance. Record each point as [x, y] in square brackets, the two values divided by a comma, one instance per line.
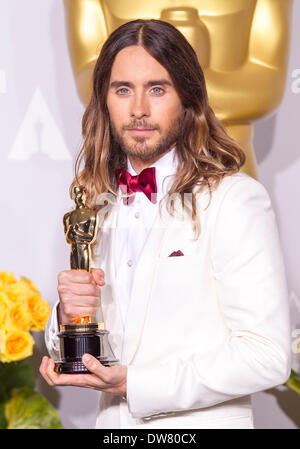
[134, 222]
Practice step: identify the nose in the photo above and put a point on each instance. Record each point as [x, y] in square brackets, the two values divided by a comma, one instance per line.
[140, 106]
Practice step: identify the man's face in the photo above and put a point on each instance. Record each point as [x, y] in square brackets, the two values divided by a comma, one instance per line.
[144, 107]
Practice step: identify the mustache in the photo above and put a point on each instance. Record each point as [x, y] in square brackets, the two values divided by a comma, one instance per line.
[140, 125]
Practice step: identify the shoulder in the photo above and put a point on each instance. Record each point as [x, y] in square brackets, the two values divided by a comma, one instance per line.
[243, 224]
[242, 202]
[236, 194]
[240, 182]
[240, 188]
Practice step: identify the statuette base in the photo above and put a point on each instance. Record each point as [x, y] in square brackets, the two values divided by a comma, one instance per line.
[78, 339]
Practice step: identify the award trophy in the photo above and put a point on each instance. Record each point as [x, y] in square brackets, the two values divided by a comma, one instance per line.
[84, 334]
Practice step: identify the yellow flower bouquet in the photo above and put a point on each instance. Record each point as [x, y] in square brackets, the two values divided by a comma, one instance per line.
[22, 310]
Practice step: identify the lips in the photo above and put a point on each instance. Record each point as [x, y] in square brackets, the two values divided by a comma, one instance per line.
[140, 131]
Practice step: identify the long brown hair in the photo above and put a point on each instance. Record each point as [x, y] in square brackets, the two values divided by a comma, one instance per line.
[205, 152]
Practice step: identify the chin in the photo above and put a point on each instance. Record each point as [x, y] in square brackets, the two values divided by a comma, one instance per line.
[137, 147]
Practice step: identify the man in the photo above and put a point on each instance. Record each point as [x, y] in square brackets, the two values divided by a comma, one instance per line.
[187, 261]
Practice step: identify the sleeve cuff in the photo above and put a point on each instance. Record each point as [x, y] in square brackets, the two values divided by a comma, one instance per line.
[51, 333]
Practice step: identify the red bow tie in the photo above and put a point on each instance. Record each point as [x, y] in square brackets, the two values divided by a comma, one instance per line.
[144, 182]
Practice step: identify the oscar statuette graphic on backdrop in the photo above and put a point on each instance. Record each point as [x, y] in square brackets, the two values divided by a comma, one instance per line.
[84, 334]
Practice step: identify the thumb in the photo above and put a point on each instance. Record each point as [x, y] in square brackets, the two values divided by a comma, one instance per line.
[98, 275]
[92, 364]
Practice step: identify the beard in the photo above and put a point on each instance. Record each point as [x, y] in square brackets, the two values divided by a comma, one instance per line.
[140, 149]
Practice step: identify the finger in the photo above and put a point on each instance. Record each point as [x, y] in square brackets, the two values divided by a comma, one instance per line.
[57, 379]
[74, 379]
[43, 370]
[79, 288]
[77, 311]
[82, 289]
[80, 276]
[43, 365]
[50, 371]
[95, 367]
[73, 292]
[85, 303]
[98, 275]
[100, 282]
[69, 296]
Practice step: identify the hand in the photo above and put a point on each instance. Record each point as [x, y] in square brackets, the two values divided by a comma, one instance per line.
[79, 293]
[111, 379]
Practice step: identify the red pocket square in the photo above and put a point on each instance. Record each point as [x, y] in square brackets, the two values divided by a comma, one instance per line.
[176, 253]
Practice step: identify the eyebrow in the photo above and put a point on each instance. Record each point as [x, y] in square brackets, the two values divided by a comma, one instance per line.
[162, 82]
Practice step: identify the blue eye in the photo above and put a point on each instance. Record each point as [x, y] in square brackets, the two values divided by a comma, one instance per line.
[159, 89]
[123, 88]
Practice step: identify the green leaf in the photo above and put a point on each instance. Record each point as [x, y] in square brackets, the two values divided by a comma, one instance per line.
[3, 422]
[28, 409]
[14, 375]
[294, 381]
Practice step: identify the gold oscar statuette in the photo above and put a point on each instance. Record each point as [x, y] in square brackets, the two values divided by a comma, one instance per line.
[242, 47]
[84, 334]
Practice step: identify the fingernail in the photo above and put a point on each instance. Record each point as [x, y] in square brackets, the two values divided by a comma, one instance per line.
[86, 357]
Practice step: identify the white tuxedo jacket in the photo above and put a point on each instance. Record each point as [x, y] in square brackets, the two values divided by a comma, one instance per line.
[204, 330]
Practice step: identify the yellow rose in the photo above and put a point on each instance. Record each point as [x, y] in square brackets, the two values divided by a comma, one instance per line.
[39, 310]
[17, 345]
[7, 278]
[4, 306]
[29, 284]
[2, 342]
[17, 293]
[19, 317]
[2, 286]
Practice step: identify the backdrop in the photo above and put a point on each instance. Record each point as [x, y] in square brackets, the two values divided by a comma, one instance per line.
[40, 137]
